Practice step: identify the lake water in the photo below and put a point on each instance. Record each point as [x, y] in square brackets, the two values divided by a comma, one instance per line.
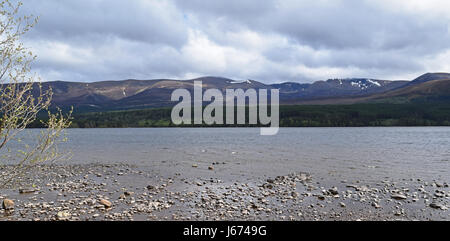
[342, 153]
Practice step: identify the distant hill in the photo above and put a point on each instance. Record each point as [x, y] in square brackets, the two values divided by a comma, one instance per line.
[139, 94]
[335, 88]
[431, 90]
[430, 76]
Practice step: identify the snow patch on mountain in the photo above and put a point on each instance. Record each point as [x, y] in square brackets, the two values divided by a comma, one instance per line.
[241, 82]
[360, 84]
[374, 82]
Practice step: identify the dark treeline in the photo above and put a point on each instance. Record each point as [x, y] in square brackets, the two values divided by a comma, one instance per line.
[412, 114]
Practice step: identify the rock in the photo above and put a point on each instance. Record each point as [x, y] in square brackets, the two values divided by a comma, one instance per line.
[154, 205]
[439, 195]
[333, 191]
[63, 215]
[270, 181]
[342, 205]
[26, 191]
[363, 189]
[151, 187]
[320, 197]
[399, 197]
[8, 204]
[303, 177]
[376, 205]
[126, 193]
[438, 206]
[105, 203]
[194, 165]
[211, 168]
[352, 186]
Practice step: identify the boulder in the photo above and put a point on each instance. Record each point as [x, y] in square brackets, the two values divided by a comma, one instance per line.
[8, 204]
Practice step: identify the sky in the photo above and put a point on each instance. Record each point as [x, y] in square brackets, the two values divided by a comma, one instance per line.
[270, 41]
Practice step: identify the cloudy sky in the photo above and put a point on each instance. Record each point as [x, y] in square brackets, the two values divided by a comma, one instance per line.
[270, 41]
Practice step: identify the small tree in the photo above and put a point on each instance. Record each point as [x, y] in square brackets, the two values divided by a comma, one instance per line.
[22, 97]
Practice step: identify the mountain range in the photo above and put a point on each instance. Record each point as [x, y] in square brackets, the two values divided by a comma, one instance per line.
[138, 94]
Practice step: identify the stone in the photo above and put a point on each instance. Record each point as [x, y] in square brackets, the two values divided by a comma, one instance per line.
[8, 204]
[438, 206]
[63, 215]
[376, 205]
[26, 191]
[105, 203]
[398, 197]
[363, 189]
[211, 168]
[194, 165]
[342, 204]
[333, 191]
[439, 195]
[126, 193]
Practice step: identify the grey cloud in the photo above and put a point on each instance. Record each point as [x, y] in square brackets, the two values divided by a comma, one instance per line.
[355, 33]
[270, 41]
[329, 24]
[115, 61]
[362, 58]
[147, 21]
[231, 9]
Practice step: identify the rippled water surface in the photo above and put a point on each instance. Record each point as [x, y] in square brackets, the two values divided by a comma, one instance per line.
[346, 153]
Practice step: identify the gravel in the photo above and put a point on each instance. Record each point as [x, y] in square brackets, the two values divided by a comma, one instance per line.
[126, 192]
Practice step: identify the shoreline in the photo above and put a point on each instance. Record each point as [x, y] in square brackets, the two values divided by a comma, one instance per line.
[126, 192]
